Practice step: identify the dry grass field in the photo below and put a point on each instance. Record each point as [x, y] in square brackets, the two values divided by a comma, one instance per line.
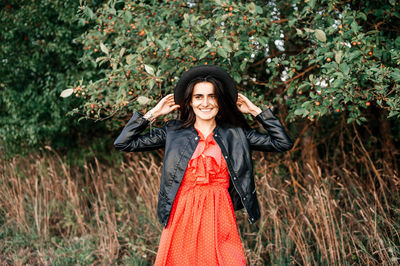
[55, 214]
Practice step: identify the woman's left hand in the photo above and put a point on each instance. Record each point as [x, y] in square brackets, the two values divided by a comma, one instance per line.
[246, 106]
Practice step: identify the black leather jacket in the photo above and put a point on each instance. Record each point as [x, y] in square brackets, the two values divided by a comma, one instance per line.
[180, 143]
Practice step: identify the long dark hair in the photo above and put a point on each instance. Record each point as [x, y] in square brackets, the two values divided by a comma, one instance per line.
[228, 112]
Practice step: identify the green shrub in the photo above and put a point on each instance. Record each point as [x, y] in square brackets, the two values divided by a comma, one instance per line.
[316, 58]
[39, 59]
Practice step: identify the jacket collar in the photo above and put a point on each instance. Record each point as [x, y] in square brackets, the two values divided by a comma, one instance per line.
[194, 131]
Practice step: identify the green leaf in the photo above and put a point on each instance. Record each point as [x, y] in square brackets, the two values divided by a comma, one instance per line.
[362, 16]
[395, 75]
[161, 44]
[354, 55]
[337, 83]
[149, 69]
[81, 22]
[101, 58]
[129, 59]
[290, 90]
[251, 8]
[128, 16]
[66, 93]
[311, 3]
[243, 65]
[151, 83]
[354, 27]
[397, 42]
[186, 18]
[237, 77]
[104, 48]
[393, 113]
[259, 10]
[338, 56]
[236, 46]
[345, 68]
[226, 46]
[89, 12]
[143, 100]
[320, 35]
[301, 111]
[222, 52]
[204, 53]
[121, 53]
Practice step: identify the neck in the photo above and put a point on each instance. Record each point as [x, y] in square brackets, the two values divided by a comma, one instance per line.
[205, 127]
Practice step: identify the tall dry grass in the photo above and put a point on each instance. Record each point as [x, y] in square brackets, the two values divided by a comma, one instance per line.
[52, 213]
[111, 209]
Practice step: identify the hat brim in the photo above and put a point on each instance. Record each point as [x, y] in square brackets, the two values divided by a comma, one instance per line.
[203, 71]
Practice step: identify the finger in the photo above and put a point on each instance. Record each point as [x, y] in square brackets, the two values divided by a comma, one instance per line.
[174, 107]
[244, 98]
[239, 101]
[171, 102]
[168, 97]
[171, 98]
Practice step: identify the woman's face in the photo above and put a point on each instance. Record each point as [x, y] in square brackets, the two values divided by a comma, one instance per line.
[204, 101]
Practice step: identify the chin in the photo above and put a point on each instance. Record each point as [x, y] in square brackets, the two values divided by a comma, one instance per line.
[207, 118]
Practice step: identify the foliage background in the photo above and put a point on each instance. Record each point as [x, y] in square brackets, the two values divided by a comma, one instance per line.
[39, 59]
[316, 58]
[330, 69]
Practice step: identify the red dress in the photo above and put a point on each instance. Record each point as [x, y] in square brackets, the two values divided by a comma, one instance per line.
[202, 226]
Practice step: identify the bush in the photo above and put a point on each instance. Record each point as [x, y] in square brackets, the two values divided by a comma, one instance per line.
[39, 59]
[317, 59]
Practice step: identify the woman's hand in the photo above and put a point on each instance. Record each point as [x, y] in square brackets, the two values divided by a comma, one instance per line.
[163, 107]
[246, 106]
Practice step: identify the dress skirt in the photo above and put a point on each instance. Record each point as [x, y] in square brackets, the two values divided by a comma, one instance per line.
[202, 226]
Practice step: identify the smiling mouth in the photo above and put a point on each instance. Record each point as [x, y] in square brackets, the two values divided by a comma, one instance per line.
[206, 110]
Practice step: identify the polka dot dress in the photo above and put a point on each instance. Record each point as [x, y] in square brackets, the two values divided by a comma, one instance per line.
[202, 226]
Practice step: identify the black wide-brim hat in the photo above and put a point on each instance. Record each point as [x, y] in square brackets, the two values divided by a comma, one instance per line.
[204, 71]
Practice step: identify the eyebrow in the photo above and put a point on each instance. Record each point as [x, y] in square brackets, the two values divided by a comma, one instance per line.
[199, 94]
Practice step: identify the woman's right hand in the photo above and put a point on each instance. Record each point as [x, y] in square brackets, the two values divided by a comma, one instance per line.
[163, 107]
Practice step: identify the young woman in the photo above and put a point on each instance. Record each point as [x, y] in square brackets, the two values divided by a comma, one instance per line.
[207, 171]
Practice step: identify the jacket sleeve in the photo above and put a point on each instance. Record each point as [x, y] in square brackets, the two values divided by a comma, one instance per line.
[276, 140]
[131, 140]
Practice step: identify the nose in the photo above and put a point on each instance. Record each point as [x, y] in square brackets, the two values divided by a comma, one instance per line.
[205, 101]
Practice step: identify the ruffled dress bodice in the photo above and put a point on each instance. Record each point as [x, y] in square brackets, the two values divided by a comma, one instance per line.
[207, 166]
